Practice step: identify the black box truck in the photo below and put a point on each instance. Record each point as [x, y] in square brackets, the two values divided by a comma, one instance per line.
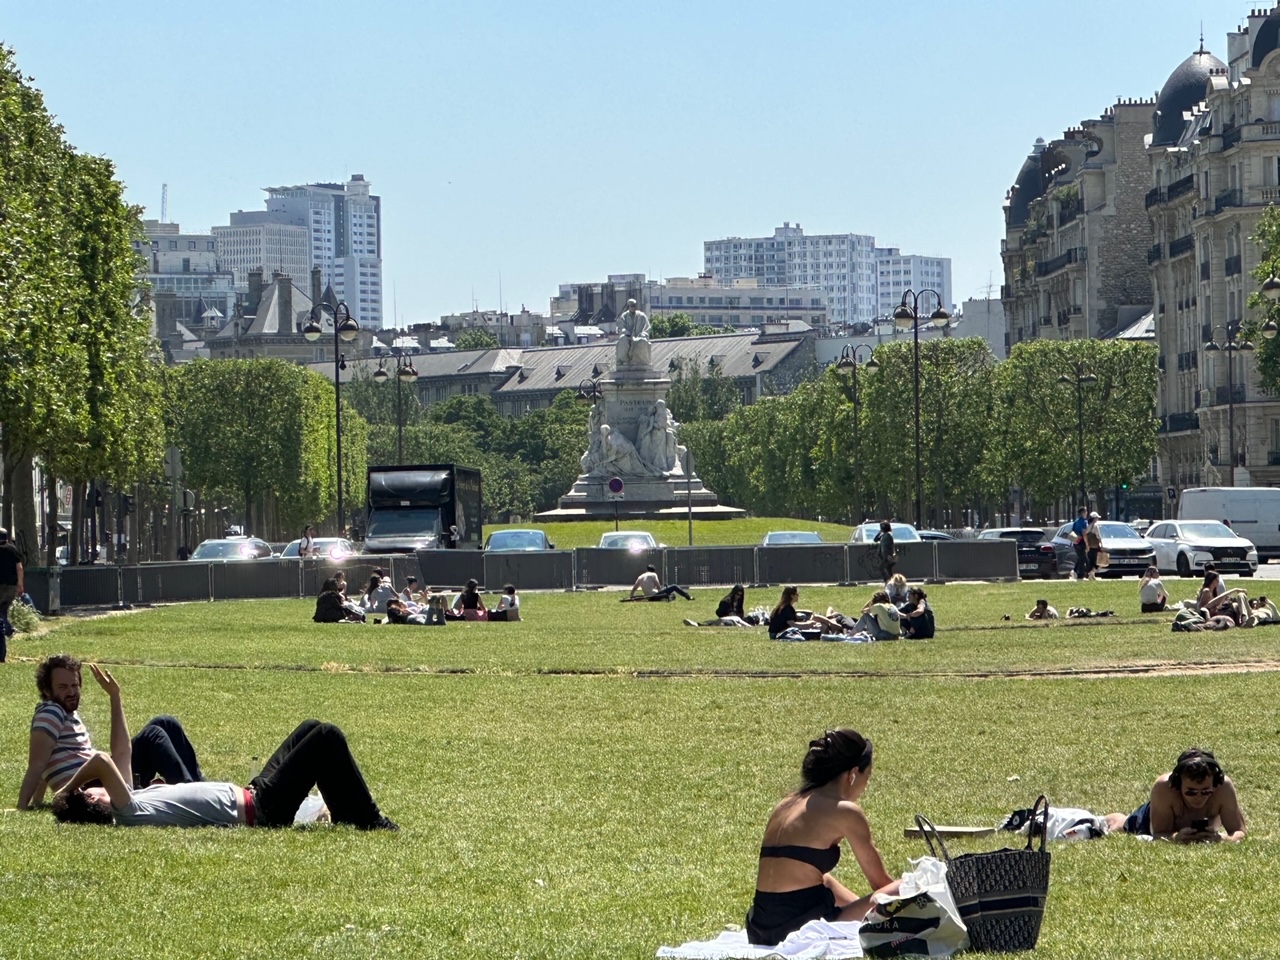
[422, 508]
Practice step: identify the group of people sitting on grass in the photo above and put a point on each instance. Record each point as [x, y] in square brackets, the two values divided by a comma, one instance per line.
[155, 779]
[408, 606]
[896, 611]
[1194, 803]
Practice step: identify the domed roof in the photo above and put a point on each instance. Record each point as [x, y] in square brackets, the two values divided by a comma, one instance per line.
[1028, 187]
[1266, 39]
[1182, 91]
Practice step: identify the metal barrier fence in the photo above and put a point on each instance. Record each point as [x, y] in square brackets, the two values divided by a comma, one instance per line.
[536, 570]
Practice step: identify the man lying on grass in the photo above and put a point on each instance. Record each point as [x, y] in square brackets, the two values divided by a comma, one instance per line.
[1194, 803]
[315, 754]
[59, 741]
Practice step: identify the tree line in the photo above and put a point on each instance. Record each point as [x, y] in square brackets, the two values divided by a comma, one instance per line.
[842, 445]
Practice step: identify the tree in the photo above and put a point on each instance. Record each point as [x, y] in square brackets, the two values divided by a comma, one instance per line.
[1267, 355]
[695, 395]
[665, 326]
[475, 338]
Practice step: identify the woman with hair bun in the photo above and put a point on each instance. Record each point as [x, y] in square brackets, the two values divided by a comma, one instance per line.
[801, 843]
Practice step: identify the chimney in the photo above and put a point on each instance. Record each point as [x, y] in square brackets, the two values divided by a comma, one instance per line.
[316, 292]
[284, 304]
[255, 292]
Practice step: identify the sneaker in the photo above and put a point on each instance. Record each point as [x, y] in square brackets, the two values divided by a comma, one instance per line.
[691, 623]
[383, 823]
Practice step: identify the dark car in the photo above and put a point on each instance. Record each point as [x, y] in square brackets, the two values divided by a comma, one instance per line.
[937, 536]
[1130, 552]
[232, 548]
[1036, 556]
[504, 541]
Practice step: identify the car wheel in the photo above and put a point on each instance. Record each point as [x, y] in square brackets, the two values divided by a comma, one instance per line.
[1246, 573]
[1184, 565]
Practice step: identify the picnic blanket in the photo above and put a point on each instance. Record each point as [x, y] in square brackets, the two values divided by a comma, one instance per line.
[816, 940]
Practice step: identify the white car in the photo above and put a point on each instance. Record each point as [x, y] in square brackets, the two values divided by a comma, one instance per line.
[637, 541]
[867, 533]
[1187, 545]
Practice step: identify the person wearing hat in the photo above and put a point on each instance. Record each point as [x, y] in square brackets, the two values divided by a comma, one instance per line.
[11, 587]
[1092, 543]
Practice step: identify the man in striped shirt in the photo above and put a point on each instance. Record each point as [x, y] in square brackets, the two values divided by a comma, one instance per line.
[60, 743]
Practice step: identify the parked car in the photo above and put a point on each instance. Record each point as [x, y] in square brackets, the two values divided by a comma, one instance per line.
[934, 535]
[503, 541]
[1187, 545]
[1036, 556]
[232, 548]
[867, 532]
[335, 547]
[633, 540]
[1253, 512]
[1130, 553]
[776, 538]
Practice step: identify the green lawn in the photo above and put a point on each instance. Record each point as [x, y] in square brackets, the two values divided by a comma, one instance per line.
[593, 781]
[675, 533]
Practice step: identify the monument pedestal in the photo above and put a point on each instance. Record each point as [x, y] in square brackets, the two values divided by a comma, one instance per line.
[628, 399]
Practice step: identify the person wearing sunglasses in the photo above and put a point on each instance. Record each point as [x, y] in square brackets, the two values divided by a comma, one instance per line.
[1195, 802]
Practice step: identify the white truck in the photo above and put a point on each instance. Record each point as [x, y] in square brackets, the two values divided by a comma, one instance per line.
[1252, 512]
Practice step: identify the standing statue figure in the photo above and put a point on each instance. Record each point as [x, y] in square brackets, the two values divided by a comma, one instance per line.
[633, 338]
[656, 440]
[595, 449]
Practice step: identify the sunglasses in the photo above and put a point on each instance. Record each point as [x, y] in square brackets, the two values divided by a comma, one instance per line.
[1202, 792]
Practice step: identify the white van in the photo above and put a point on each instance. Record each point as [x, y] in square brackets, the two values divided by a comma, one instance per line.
[1252, 512]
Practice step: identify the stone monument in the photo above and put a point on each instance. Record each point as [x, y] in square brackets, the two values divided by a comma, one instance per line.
[632, 436]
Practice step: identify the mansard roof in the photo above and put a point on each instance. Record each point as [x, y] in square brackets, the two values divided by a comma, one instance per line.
[1183, 90]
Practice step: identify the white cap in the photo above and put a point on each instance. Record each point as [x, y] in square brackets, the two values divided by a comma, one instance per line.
[1095, 515]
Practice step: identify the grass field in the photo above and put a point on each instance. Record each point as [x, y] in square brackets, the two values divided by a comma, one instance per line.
[675, 533]
[593, 781]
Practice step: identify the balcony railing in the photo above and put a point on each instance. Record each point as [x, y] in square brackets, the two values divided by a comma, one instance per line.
[1233, 394]
[1155, 253]
[1177, 422]
[1068, 210]
[1232, 266]
[1155, 196]
[1182, 246]
[1180, 188]
[1074, 255]
[1230, 136]
[1046, 321]
[1231, 198]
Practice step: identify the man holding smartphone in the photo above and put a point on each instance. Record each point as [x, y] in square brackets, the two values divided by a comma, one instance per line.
[1194, 803]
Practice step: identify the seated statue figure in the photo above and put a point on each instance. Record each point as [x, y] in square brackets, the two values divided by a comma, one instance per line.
[633, 338]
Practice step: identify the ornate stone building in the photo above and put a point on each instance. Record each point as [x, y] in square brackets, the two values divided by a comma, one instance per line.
[1214, 154]
[1076, 234]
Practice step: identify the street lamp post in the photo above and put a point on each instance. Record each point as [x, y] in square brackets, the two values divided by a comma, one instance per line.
[907, 316]
[848, 366]
[405, 373]
[1232, 342]
[1080, 376]
[345, 329]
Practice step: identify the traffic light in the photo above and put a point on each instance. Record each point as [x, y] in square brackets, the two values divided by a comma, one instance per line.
[126, 504]
[1124, 486]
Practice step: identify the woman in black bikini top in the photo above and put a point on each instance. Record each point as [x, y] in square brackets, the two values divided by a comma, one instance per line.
[802, 843]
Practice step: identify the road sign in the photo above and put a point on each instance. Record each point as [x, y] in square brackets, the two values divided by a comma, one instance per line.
[615, 487]
[1172, 492]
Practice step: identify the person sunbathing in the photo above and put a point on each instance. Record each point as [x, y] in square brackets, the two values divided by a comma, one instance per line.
[314, 755]
[801, 845]
[729, 612]
[1042, 611]
[1196, 802]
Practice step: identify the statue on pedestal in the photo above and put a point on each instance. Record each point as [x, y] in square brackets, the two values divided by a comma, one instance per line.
[595, 450]
[619, 454]
[633, 338]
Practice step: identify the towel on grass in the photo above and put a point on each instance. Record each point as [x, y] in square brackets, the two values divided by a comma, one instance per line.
[816, 940]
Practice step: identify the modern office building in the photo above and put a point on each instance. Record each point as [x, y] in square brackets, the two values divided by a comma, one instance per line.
[334, 226]
[188, 284]
[896, 273]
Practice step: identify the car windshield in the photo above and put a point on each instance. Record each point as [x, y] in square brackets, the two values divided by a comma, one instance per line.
[404, 522]
[901, 531]
[325, 547]
[792, 536]
[517, 540]
[231, 550]
[1118, 531]
[1022, 536]
[1210, 529]
[629, 541]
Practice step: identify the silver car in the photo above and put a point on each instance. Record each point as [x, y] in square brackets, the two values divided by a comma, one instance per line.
[1187, 545]
[1130, 553]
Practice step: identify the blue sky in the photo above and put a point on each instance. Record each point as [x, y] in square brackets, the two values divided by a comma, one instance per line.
[553, 142]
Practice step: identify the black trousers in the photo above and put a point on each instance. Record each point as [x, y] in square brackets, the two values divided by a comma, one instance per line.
[314, 755]
[162, 747]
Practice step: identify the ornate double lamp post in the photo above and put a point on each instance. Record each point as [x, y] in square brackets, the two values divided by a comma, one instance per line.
[405, 373]
[1079, 377]
[848, 366]
[907, 317]
[345, 329]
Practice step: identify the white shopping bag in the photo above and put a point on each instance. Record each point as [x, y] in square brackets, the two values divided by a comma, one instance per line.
[921, 920]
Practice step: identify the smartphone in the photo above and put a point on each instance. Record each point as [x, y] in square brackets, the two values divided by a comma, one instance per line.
[1200, 825]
